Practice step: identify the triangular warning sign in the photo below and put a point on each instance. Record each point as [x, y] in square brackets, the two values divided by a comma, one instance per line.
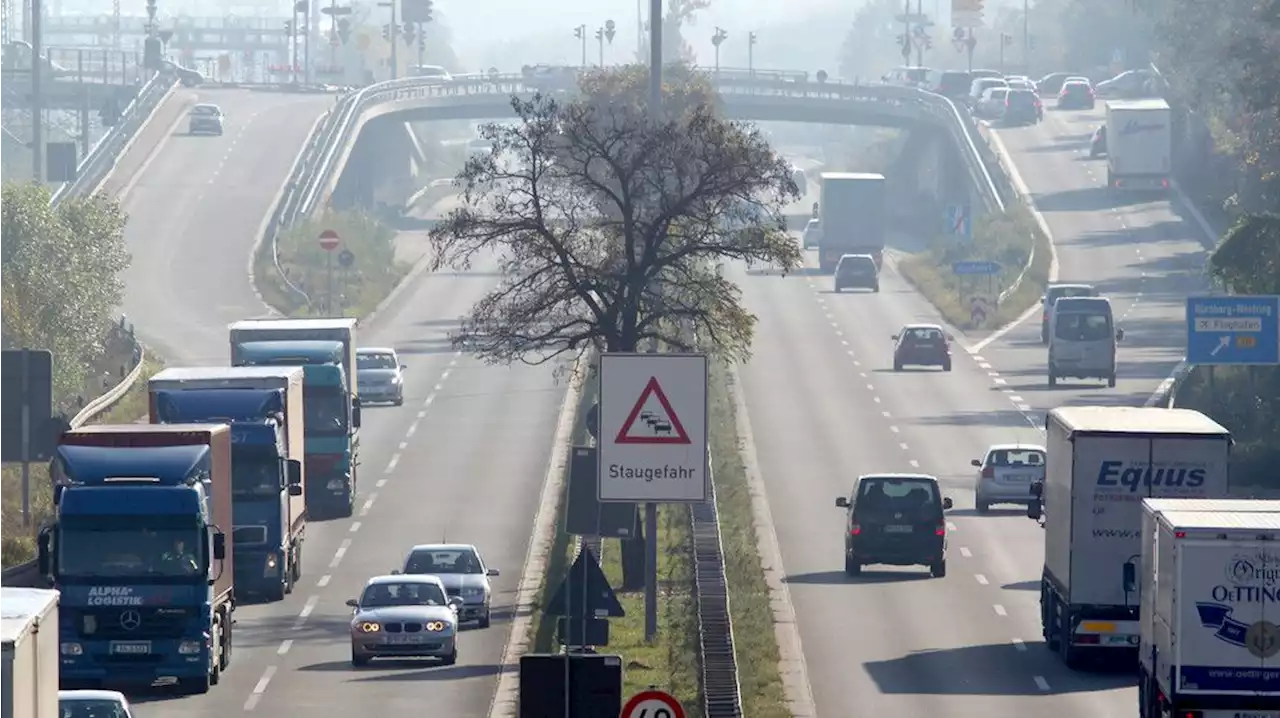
[653, 424]
[585, 592]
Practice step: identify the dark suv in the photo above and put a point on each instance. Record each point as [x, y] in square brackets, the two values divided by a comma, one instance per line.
[922, 345]
[857, 271]
[895, 519]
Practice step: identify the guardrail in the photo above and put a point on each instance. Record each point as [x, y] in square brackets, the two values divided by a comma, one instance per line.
[721, 692]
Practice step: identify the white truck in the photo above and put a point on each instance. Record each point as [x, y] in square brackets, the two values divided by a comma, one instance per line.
[1139, 144]
[1101, 462]
[1210, 586]
[29, 624]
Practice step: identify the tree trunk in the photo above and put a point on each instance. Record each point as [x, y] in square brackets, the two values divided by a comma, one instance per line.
[633, 557]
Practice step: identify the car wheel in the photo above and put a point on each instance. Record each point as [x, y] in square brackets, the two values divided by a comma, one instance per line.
[876, 289]
[1053, 379]
[982, 507]
[946, 366]
[484, 620]
[399, 401]
[450, 659]
[939, 569]
[357, 659]
[852, 567]
[1044, 336]
[897, 366]
[1111, 381]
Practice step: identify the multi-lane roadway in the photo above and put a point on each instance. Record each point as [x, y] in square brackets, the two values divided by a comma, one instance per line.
[825, 405]
[462, 460]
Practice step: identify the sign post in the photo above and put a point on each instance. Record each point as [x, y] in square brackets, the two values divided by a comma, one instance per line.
[1233, 330]
[960, 222]
[329, 241]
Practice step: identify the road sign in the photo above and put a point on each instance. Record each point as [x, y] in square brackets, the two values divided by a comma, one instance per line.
[1233, 330]
[26, 377]
[329, 240]
[346, 258]
[653, 704]
[975, 268]
[966, 6]
[585, 592]
[653, 428]
[960, 221]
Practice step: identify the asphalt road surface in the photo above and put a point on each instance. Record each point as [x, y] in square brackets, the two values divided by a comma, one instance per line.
[462, 460]
[826, 406]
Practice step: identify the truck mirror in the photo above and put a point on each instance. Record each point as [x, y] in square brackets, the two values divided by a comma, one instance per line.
[295, 489]
[842, 502]
[976, 462]
[947, 503]
[355, 412]
[219, 546]
[1037, 489]
[1119, 335]
[1130, 577]
[1033, 509]
[43, 553]
[293, 470]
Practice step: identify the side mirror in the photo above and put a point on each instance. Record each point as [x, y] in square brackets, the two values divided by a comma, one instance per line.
[355, 412]
[1042, 300]
[353, 603]
[1037, 489]
[947, 503]
[492, 572]
[1033, 510]
[403, 367]
[1130, 574]
[219, 546]
[456, 602]
[293, 473]
[43, 553]
[976, 462]
[842, 502]
[950, 338]
[894, 337]
[1119, 335]
[395, 572]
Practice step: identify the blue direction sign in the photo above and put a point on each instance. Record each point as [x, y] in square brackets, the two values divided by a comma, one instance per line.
[1233, 330]
[975, 268]
[959, 221]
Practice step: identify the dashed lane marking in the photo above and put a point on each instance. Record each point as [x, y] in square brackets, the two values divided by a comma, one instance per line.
[914, 464]
[260, 688]
[981, 579]
[342, 551]
[1000, 610]
[1041, 683]
[894, 429]
[324, 581]
[380, 483]
[413, 429]
[391, 465]
[904, 446]
[355, 526]
[404, 445]
[1020, 644]
[285, 645]
[964, 551]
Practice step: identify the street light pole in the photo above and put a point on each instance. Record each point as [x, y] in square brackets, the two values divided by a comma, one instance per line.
[1026, 37]
[37, 92]
[751, 54]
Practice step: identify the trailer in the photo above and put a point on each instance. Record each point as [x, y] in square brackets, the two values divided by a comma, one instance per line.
[29, 627]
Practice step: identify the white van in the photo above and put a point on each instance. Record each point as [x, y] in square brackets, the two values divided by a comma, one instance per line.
[1082, 340]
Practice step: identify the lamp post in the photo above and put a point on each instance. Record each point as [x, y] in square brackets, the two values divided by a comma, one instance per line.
[717, 39]
[580, 32]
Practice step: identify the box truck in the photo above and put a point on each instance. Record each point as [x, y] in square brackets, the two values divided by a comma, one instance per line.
[1101, 462]
[29, 624]
[853, 217]
[1139, 144]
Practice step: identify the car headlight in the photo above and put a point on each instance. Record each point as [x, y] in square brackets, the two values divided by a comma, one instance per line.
[395, 380]
[437, 626]
[368, 627]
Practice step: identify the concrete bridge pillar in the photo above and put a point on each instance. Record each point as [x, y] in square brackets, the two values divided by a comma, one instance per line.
[382, 168]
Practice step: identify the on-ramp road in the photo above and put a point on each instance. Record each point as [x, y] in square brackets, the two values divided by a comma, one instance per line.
[463, 459]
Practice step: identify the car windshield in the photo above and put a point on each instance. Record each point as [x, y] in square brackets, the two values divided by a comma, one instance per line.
[91, 708]
[204, 111]
[857, 264]
[324, 410]
[1082, 327]
[923, 335]
[437, 562]
[1018, 458]
[1025, 98]
[382, 595]
[1057, 293]
[378, 360]
[898, 495]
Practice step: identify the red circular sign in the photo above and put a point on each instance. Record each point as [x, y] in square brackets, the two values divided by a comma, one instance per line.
[653, 704]
[329, 240]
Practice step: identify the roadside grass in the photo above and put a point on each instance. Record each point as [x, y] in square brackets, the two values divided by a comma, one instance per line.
[17, 541]
[1007, 239]
[357, 290]
[1232, 396]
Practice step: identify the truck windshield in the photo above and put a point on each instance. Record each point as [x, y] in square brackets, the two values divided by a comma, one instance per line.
[255, 474]
[126, 550]
[326, 410]
[1083, 327]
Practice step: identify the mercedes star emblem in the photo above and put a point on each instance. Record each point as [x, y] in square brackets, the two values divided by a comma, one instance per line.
[130, 620]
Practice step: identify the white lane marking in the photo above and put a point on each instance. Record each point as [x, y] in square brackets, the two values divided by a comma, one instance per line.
[857, 363]
[342, 551]
[1041, 683]
[368, 504]
[1008, 391]
[413, 429]
[285, 645]
[903, 445]
[964, 551]
[1000, 610]
[850, 353]
[869, 387]
[886, 414]
[840, 334]
[984, 365]
[422, 414]
[260, 688]
[998, 380]
[1014, 398]
[391, 465]
[1023, 407]
[444, 375]
[876, 399]
[324, 581]
[993, 374]
[429, 399]
[355, 527]
[894, 429]
[308, 608]
[1019, 644]
[915, 464]
[978, 358]
[437, 388]
[380, 483]
[981, 579]
[404, 445]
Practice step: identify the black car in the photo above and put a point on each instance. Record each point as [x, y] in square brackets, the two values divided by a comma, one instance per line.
[922, 345]
[857, 271]
[895, 519]
[1076, 95]
[1021, 107]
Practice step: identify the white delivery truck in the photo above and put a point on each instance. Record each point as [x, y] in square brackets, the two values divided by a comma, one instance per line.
[1210, 647]
[1139, 144]
[1101, 462]
[29, 623]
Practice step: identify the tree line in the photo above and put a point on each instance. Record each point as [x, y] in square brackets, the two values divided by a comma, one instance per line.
[61, 277]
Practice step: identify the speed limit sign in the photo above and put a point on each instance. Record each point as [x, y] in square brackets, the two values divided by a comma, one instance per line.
[653, 704]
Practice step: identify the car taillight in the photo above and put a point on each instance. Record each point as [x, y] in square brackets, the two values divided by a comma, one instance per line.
[942, 528]
[855, 530]
[989, 473]
[1164, 184]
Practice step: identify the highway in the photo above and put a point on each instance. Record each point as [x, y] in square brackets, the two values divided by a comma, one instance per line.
[825, 406]
[429, 469]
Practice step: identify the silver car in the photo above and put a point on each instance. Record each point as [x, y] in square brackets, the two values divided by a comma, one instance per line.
[93, 704]
[1006, 474]
[463, 573]
[205, 119]
[404, 617]
[381, 375]
[813, 234]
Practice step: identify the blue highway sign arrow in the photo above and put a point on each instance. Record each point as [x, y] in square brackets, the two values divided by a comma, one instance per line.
[1233, 330]
[975, 268]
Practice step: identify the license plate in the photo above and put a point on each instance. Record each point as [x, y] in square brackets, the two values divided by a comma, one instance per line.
[1017, 477]
[131, 648]
[404, 639]
[898, 529]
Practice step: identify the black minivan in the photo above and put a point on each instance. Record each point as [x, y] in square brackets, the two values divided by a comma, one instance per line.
[895, 519]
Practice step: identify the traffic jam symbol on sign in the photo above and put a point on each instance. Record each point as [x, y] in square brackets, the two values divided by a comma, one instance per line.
[652, 420]
[653, 704]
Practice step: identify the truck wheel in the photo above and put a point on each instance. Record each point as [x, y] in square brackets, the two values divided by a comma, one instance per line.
[1048, 618]
[939, 569]
[1111, 381]
[484, 620]
[297, 564]
[1053, 379]
[982, 507]
[851, 566]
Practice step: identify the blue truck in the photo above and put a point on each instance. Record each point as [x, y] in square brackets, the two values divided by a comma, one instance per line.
[326, 351]
[263, 405]
[138, 549]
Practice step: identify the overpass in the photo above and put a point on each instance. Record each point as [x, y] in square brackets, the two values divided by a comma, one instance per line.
[74, 78]
[340, 140]
[197, 34]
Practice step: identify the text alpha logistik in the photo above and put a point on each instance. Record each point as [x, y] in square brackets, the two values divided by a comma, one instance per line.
[650, 474]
